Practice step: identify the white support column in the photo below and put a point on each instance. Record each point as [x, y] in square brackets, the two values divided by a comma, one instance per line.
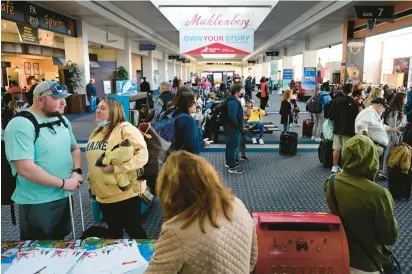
[147, 67]
[163, 68]
[172, 69]
[77, 50]
[179, 70]
[124, 58]
[188, 73]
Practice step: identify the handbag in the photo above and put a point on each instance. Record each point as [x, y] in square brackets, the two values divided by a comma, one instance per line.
[394, 267]
[259, 95]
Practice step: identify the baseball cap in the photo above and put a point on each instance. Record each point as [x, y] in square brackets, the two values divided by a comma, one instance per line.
[51, 88]
[380, 101]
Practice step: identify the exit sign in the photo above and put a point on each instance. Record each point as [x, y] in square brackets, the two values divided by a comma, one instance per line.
[375, 12]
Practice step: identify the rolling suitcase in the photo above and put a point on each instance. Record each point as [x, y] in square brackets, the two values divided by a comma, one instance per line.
[327, 154]
[288, 143]
[320, 150]
[72, 214]
[399, 184]
[307, 128]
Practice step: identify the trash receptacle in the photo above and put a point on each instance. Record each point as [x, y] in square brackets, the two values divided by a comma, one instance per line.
[300, 243]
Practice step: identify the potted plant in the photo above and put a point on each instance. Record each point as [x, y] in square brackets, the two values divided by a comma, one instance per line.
[74, 75]
[122, 74]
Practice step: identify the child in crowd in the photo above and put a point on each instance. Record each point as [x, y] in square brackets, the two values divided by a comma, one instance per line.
[295, 107]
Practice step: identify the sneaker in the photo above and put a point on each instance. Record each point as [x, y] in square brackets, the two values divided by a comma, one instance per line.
[254, 141]
[318, 140]
[298, 125]
[261, 142]
[336, 169]
[235, 170]
[236, 165]
[244, 158]
[313, 138]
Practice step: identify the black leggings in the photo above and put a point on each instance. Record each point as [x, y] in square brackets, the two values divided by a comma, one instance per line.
[124, 215]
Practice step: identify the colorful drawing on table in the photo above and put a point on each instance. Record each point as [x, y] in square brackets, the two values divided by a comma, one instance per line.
[32, 261]
[126, 87]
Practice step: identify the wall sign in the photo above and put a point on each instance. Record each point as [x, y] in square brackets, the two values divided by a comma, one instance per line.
[354, 61]
[28, 34]
[34, 16]
[309, 78]
[147, 47]
[375, 12]
[173, 57]
[222, 41]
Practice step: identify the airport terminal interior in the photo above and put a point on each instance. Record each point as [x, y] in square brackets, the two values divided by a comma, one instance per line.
[289, 64]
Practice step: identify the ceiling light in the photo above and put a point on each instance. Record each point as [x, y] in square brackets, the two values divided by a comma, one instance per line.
[218, 56]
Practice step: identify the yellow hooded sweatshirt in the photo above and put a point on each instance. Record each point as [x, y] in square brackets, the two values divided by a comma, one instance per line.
[99, 181]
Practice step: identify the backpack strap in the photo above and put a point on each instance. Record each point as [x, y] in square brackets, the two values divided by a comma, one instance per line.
[28, 115]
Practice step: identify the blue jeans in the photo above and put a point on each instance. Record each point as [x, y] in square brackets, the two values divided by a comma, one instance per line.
[232, 146]
[286, 127]
[259, 126]
[92, 104]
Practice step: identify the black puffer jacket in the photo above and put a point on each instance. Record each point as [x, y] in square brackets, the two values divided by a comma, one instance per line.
[343, 113]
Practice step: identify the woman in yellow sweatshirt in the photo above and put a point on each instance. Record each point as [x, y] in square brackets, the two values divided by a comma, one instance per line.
[120, 206]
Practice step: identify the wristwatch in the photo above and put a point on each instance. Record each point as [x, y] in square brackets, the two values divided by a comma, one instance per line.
[78, 170]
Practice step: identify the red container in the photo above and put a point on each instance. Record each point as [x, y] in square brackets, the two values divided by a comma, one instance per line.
[300, 243]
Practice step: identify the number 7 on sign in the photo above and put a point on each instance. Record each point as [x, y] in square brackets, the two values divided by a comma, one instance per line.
[380, 11]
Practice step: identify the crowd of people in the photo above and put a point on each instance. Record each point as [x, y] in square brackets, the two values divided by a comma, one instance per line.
[48, 164]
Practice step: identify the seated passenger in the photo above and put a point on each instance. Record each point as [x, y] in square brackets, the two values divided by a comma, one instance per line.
[207, 229]
[254, 120]
[188, 135]
[365, 208]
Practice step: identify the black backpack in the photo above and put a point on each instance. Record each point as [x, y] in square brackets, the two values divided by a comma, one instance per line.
[315, 104]
[220, 114]
[8, 180]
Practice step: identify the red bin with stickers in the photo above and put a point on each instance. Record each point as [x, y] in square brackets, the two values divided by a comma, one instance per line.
[300, 243]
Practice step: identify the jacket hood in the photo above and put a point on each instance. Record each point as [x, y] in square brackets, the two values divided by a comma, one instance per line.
[360, 157]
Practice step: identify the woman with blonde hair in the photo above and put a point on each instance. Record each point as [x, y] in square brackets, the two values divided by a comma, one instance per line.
[207, 229]
[115, 184]
[377, 92]
[286, 108]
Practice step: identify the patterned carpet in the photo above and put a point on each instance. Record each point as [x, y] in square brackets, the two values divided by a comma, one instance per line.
[270, 183]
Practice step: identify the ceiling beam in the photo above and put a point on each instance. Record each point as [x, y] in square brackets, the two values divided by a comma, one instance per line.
[307, 19]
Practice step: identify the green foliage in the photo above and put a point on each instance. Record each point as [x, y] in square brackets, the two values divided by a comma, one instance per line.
[122, 74]
[75, 75]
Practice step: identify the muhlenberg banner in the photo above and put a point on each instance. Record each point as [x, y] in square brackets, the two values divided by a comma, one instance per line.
[216, 41]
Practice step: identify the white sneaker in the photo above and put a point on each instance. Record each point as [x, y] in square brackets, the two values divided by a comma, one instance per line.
[261, 142]
[336, 169]
[318, 140]
[313, 138]
[254, 141]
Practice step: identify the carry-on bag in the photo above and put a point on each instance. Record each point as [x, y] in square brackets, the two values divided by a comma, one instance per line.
[327, 154]
[320, 150]
[307, 128]
[288, 143]
[399, 184]
[72, 214]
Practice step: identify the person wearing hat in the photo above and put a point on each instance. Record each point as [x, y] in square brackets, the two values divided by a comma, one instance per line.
[48, 165]
[369, 122]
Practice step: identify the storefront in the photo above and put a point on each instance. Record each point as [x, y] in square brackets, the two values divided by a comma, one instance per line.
[32, 43]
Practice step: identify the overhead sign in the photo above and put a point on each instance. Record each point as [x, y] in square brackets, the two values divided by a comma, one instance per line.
[375, 12]
[251, 62]
[222, 41]
[272, 53]
[218, 20]
[173, 57]
[36, 17]
[147, 47]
